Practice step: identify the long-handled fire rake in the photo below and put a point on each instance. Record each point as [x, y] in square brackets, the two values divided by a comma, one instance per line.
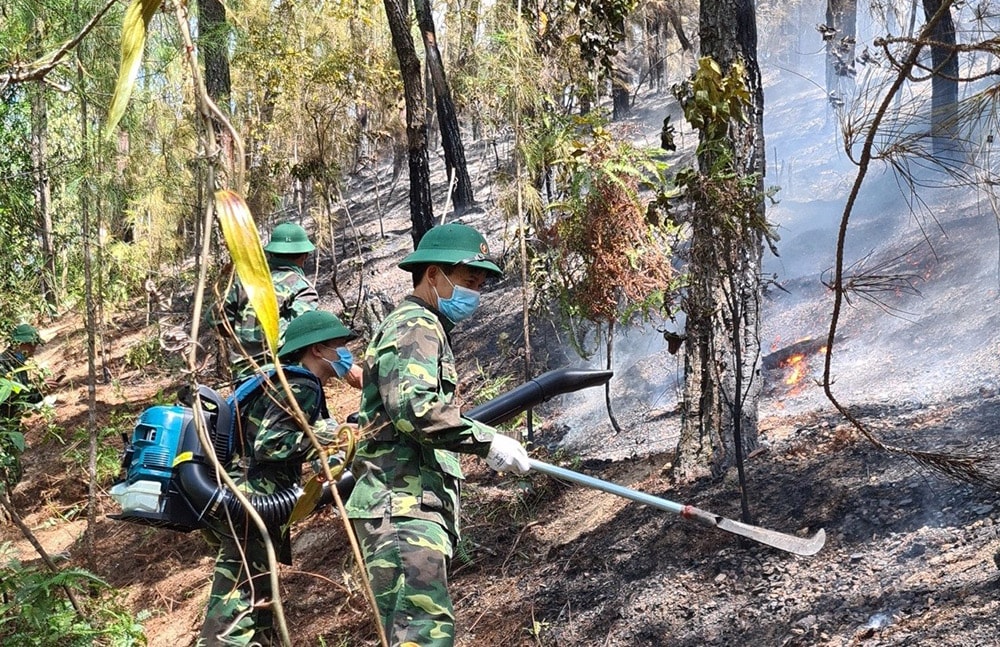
[561, 381]
[773, 538]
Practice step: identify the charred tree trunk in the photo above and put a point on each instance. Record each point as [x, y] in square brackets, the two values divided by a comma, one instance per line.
[421, 207]
[674, 17]
[451, 137]
[432, 131]
[944, 84]
[621, 91]
[655, 50]
[722, 355]
[841, 23]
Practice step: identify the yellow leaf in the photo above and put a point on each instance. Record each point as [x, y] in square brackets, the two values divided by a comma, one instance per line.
[134, 25]
[307, 502]
[244, 246]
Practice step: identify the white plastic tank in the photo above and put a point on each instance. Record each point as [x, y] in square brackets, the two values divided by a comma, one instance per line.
[141, 496]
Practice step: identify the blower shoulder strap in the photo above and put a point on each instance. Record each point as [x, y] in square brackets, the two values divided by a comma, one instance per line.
[249, 390]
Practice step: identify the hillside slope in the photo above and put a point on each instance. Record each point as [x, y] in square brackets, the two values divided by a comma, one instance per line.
[909, 558]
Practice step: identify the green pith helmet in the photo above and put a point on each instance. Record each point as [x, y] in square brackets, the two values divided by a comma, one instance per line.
[25, 334]
[289, 238]
[452, 244]
[313, 327]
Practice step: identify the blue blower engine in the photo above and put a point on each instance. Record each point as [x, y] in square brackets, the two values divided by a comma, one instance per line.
[150, 493]
[170, 482]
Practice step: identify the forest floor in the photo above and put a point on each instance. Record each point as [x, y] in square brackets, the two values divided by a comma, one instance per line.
[909, 557]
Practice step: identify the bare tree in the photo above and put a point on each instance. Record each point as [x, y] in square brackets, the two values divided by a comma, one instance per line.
[451, 136]
[944, 81]
[421, 207]
[839, 33]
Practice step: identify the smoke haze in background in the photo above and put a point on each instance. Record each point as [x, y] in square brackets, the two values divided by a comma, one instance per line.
[914, 347]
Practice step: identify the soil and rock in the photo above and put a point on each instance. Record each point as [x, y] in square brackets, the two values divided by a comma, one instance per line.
[909, 558]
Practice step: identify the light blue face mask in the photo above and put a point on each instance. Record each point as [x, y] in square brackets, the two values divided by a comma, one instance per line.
[460, 305]
[343, 363]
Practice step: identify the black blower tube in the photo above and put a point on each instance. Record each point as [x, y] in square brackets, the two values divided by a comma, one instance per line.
[533, 392]
[206, 495]
[208, 498]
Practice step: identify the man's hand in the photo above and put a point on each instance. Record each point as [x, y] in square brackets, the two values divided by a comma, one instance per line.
[506, 454]
[353, 376]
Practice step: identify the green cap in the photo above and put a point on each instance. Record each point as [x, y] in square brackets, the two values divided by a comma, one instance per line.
[26, 334]
[289, 238]
[313, 327]
[452, 244]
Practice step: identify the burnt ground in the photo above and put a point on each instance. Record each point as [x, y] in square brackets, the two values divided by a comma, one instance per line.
[909, 558]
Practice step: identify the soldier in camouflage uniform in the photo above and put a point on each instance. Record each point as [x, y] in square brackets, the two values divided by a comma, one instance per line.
[14, 366]
[405, 506]
[276, 447]
[25, 390]
[287, 252]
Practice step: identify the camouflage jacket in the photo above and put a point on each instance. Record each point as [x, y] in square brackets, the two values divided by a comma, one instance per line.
[295, 295]
[407, 466]
[275, 446]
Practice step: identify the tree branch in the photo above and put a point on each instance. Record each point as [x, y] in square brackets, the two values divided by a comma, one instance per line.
[38, 69]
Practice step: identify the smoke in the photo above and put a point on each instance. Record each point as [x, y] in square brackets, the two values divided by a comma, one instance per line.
[932, 336]
[644, 392]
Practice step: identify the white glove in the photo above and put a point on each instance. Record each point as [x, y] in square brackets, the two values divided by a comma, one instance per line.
[506, 454]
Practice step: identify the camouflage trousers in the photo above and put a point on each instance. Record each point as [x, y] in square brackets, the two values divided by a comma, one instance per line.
[407, 562]
[238, 610]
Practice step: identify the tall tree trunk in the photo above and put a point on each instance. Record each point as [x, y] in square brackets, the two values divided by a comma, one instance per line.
[90, 324]
[944, 84]
[43, 212]
[621, 89]
[213, 40]
[466, 61]
[260, 189]
[722, 354]
[842, 16]
[469, 25]
[655, 51]
[674, 17]
[451, 137]
[421, 207]
[213, 44]
[40, 170]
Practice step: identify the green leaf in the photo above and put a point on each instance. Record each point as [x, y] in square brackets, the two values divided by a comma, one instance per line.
[243, 241]
[134, 26]
[17, 439]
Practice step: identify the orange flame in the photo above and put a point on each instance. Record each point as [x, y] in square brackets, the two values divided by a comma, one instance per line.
[797, 369]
